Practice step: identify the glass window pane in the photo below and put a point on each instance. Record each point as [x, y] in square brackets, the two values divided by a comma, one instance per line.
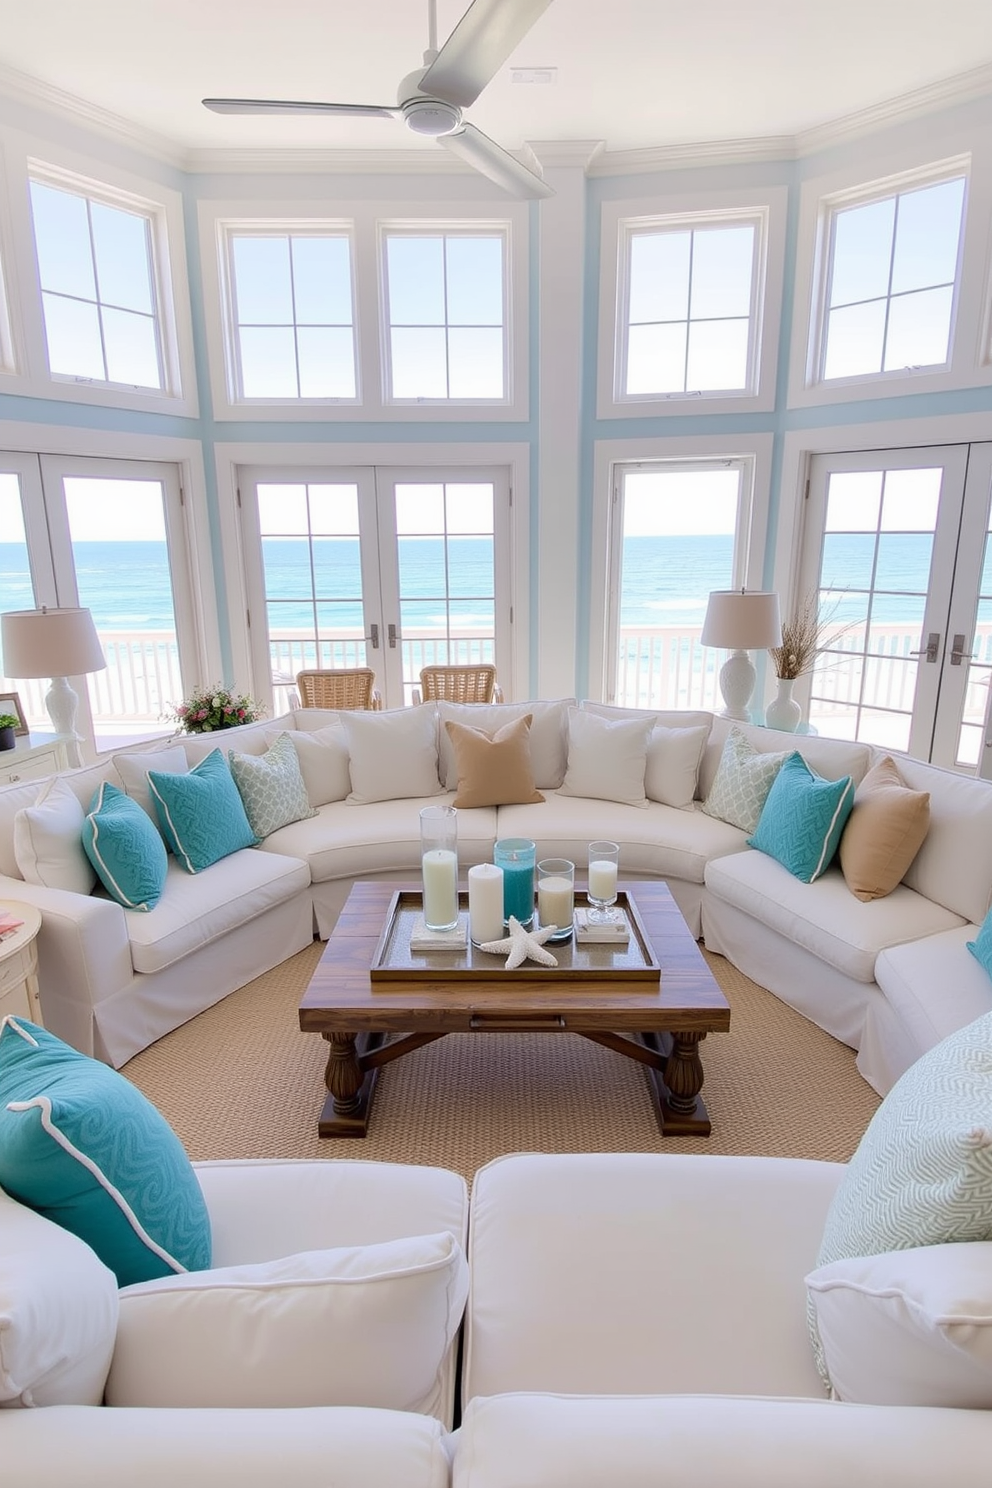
[903, 560]
[337, 567]
[467, 618]
[334, 510]
[969, 746]
[986, 582]
[121, 246]
[470, 567]
[475, 282]
[282, 508]
[262, 281]
[847, 560]
[656, 359]
[862, 252]
[896, 623]
[72, 330]
[62, 241]
[886, 730]
[722, 260]
[475, 362]
[327, 361]
[268, 362]
[928, 229]
[16, 588]
[853, 499]
[419, 508]
[911, 500]
[322, 281]
[422, 566]
[659, 276]
[717, 355]
[132, 351]
[419, 363]
[919, 329]
[415, 274]
[470, 507]
[854, 340]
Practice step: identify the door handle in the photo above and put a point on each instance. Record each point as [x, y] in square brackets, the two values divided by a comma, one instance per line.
[932, 647]
[958, 652]
[373, 636]
[393, 637]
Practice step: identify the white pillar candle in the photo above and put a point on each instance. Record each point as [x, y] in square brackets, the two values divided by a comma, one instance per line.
[554, 901]
[485, 902]
[602, 879]
[440, 871]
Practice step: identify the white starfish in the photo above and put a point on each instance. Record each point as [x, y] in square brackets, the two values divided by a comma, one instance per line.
[522, 945]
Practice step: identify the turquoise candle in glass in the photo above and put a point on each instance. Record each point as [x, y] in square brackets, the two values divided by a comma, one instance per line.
[517, 857]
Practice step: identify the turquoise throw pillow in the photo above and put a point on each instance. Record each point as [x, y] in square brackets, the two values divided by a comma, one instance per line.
[80, 1145]
[128, 854]
[201, 814]
[271, 786]
[802, 819]
[981, 946]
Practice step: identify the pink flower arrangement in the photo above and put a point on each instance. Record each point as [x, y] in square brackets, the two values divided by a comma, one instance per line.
[216, 707]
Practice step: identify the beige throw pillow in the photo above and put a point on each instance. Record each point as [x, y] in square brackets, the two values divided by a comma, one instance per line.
[884, 832]
[493, 769]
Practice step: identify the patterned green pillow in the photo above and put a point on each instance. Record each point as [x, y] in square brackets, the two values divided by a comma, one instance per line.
[922, 1172]
[271, 786]
[742, 782]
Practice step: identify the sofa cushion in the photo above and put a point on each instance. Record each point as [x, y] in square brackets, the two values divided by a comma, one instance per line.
[548, 735]
[824, 918]
[14, 798]
[493, 769]
[933, 985]
[271, 786]
[908, 1327]
[392, 755]
[884, 831]
[742, 782]
[922, 1172]
[671, 772]
[954, 865]
[83, 1147]
[58, 1312]
[802, 819]
[606, 758]
[201, 814]
[133, 769]
[125, 849]
[48, 843]
[247, 738]
[323, 756]
[364, 1325]
[830, 758]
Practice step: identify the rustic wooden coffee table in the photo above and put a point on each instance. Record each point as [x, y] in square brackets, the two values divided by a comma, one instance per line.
[654, 1002]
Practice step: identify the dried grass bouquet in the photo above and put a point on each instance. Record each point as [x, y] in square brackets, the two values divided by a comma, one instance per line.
[801, 639]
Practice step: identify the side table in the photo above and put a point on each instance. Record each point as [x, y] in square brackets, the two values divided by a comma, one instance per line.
[19, 963]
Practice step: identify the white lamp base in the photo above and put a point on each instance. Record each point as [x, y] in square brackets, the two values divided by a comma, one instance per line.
[62, 702]
[737, 679]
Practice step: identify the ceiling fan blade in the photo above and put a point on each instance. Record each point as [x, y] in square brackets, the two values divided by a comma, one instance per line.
[287, 106]
[495, 162]
[477, 48]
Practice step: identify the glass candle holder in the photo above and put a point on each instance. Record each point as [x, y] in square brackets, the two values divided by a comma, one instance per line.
[556, 895]
[604, 859]
[439, 866]
[517, 857]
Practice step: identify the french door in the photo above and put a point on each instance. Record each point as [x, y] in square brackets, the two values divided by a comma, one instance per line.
[897, 548]
[375, 566]
[108, 535]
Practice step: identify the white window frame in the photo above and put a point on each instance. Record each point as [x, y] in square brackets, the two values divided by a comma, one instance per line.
[31, 159]
[969, 362]
[766, 208]
[366, 220]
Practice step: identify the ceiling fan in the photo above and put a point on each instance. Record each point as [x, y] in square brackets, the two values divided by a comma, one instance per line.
[431, 100]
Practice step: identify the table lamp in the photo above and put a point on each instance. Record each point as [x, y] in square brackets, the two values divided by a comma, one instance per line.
[740, 621]
[53, 643]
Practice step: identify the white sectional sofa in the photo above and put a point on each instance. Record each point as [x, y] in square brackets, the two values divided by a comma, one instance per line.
[889, 977]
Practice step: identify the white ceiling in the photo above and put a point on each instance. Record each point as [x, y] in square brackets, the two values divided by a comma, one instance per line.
[634, 74]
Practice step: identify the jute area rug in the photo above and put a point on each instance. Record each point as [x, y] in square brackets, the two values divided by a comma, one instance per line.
[241, 1080]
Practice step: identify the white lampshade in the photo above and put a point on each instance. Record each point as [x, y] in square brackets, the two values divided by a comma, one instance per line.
[742, 620]
[50, 643]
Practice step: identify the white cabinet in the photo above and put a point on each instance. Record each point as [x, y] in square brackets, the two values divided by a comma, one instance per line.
[32, 756]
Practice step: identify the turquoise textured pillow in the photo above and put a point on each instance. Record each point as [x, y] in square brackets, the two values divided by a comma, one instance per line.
[125, 849]
[743, 779]
[81, 1146]
[922, 1172]
[201, 814]
[802, 819]
[981, 946]
[271, 786]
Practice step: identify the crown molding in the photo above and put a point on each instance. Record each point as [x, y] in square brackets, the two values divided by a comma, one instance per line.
[564, 154]
[33, 93]
[695, 153]
[961, 88]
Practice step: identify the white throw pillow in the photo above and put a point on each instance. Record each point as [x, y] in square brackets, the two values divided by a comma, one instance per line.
[909, 1327]
[672, 768]
[58, 1313]
[606, 758]
[133, 770]
[364, 1325]
[392, 756]
[323, 757]
[48, 844]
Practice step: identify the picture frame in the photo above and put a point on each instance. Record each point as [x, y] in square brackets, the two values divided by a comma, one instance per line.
[11, 703]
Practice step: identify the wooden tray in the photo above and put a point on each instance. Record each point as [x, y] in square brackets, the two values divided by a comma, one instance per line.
[394, 960]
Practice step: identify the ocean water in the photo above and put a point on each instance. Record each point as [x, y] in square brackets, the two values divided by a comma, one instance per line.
[666, 580]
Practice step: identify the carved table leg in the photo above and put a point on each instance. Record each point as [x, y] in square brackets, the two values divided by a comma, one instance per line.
[349, 1085]
[676, 1085]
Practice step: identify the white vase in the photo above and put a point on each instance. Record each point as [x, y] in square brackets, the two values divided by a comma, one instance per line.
[783, 712]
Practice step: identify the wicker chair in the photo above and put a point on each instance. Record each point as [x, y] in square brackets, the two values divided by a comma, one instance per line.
[460, 684]
[353, 687]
